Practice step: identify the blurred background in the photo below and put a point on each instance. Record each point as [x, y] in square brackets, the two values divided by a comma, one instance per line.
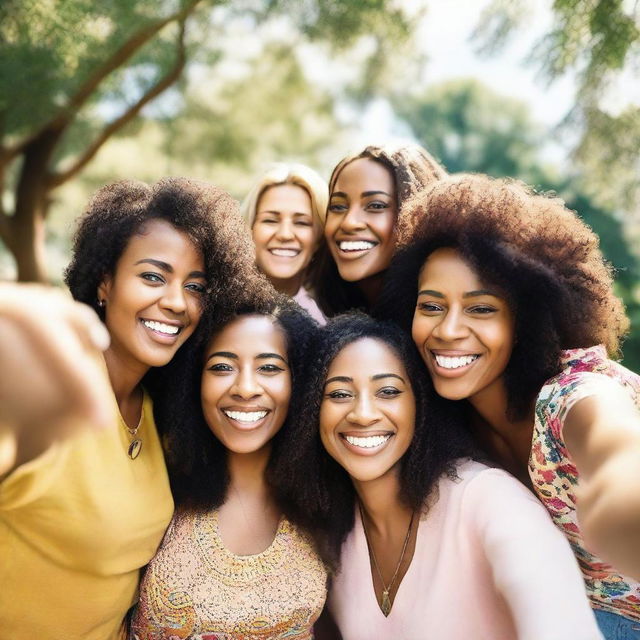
[545, 91]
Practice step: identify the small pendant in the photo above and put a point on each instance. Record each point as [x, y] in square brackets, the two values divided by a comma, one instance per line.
[385, 605]
[134, 449]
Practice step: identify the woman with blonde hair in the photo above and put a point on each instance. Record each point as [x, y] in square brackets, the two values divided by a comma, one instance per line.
[285, 211]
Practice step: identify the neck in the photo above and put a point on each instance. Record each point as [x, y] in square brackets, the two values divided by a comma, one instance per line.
[247, 470]
[288, 286]
[125, 378]
[381, 505]
[371, 288]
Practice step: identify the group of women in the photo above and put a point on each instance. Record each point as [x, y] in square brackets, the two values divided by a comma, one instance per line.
[452, 455]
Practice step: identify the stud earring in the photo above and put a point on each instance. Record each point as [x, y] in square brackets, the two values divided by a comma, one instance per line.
[102, 303]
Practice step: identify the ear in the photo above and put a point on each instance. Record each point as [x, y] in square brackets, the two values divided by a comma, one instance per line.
[104, 288]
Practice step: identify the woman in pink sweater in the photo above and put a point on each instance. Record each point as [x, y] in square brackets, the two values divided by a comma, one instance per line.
[432, 544]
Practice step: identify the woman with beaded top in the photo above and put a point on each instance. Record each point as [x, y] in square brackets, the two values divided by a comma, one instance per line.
[235, 562]
[432, 544]
[516, 317]
[80, 516]
[367, 191]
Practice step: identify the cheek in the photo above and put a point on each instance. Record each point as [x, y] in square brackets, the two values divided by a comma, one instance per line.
[259, 236]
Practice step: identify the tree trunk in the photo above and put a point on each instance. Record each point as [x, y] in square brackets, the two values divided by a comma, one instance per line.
[28, 248]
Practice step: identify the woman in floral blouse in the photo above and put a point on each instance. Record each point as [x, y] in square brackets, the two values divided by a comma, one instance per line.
[515, 314]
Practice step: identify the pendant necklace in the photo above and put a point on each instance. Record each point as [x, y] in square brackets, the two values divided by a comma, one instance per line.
[385, 604]
[136, 444]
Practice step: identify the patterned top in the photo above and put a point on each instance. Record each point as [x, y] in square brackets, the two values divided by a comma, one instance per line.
[196, 588]
[554, 476]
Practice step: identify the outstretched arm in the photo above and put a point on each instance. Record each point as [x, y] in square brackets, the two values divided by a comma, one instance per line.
[51, 377]
[602, 434]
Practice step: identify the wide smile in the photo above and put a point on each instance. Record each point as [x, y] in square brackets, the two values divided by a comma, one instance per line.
[355, 248]
[452, 366]
[162, 331]
[366, 445]
[245, 419]
[282, 252]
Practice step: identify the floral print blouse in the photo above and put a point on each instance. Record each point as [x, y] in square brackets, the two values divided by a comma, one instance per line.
[554, 476]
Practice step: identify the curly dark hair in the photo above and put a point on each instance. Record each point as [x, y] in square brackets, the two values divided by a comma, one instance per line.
[545, 259]
[205, 213]
[196, 459]
[440, 437]
[412, 169]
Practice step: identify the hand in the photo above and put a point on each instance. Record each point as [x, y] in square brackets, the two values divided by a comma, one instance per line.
[52, 380]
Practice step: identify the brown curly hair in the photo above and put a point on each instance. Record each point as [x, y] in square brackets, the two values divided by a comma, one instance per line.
[412, 169]
[206, 214]
[545, 259]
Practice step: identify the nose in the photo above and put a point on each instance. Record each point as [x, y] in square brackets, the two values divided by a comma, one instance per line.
[353, 220]
[246, 385]
[452, 326]
[174, 298]
[284, 230]
[364, 412]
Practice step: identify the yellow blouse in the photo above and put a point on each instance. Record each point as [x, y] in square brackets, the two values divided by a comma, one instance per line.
[76, 526]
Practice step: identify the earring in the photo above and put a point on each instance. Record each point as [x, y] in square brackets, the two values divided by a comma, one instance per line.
[102, 303]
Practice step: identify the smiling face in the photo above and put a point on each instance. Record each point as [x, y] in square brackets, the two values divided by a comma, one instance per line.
[463, 328]
[246, 383]
[367, 415]
[360, 226]
[153, 300]
[285, 234]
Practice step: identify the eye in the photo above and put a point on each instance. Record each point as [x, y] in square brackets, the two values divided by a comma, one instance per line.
[389, 392]
[482, 309]
[270, 368]
[429, 307]
[378, 205]
[196, 287]
[153, 277]
[336, 207]
[220, 367]
[339, 394]
[303, 223]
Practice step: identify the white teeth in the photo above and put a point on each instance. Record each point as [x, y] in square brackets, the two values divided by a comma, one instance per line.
[355, 245]
[246, 416]
[367, 442]
[449, 362]
[161, 327]
[285, 253]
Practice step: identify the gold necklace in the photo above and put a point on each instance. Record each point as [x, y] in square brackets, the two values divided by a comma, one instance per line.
[385, 605]
[136, 444]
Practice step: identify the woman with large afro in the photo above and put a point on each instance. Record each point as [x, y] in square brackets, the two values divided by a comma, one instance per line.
[512, 308]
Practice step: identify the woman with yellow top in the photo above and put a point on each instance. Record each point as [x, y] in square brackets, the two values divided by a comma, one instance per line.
[80, 515]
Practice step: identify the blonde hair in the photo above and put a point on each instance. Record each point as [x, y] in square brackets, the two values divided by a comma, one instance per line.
[288, 173]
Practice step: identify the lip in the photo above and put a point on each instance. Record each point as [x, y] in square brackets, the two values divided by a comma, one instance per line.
[361, 451]
[245, 426]
[159, 336]
[352, 254]
[450, 353]
[296, 252]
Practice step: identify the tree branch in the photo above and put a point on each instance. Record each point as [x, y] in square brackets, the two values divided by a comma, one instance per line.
[56, 179]
[117, 59]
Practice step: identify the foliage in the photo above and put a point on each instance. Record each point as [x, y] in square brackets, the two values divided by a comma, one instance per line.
[599, 41]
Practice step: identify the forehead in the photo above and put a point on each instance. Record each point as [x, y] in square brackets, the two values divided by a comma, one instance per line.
[366, 357]
[248, 336]
[290, 196]
[364, 174]
[157, 236]
[447, 267]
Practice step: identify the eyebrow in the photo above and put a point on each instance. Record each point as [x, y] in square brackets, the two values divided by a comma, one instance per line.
[166, 267]
[234, 356]
[365, 194]
[274, 212]
[378, 376]
[468, 294]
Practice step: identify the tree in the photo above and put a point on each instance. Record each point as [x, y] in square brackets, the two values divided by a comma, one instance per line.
[598, 40]
[73, 74]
